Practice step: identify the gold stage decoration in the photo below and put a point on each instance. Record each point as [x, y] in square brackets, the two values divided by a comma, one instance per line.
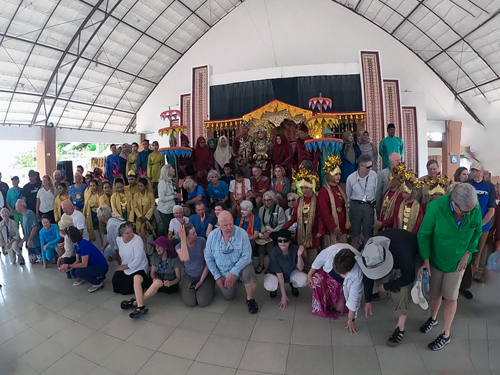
[171, 115]
[218, 125]
[277, 111]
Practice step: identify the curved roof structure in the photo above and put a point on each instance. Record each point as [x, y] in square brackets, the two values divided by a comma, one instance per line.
[91, 64]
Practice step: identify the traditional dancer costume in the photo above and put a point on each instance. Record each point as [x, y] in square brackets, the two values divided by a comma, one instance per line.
[410, 213]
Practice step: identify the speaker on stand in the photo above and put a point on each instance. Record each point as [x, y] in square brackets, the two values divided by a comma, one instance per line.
[66, 169]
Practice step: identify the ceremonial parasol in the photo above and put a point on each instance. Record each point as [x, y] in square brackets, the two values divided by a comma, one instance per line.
[173, 115]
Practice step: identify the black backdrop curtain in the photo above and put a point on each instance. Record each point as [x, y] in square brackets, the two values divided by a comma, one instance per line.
[236, 99]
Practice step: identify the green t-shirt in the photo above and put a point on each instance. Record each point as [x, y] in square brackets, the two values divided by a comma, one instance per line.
[165, 269]
[442, 240]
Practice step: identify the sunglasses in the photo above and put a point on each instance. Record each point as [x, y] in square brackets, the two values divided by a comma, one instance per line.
[462, 211]
[283, 241]
[291, 200]
[368, 166]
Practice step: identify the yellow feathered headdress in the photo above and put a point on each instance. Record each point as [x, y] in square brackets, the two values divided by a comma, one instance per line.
[304, 177]
[438, 185]
[410, 182]
[332, 164]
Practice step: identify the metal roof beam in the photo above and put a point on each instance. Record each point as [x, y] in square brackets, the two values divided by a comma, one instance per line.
[405, 18]
[479, 85]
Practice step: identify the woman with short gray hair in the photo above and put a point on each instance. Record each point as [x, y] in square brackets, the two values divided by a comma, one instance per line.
[248, 221]
[195, 193]
[9, 237]
[166, 196]
[272, 218]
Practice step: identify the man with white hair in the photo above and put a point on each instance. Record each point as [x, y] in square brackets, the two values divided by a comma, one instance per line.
[383, 177]
[228, 254]
[110, 248]
[30, 231]
[77, 216]
[175, 224]
[447, 238]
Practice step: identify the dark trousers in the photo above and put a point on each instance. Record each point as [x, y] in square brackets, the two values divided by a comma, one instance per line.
[165, 219]
[71, 273]
[50, 214]
[92, 274]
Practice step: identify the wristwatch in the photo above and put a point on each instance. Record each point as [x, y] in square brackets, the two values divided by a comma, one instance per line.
[351, 320]
[69, 266]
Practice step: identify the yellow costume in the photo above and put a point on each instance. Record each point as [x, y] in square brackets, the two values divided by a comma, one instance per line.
[155, 163]
[89, 211]
[57, 205]
[132, 162]
[131, 190]
[104, 200]
[121, 204]
[143, 205]
[86, 193]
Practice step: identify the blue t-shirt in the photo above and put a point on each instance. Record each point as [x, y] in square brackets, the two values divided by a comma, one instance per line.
[201, 226]
[96, 258]
[199, 190]
[227, 179]
[218, 192]
[485, 197]
[30, 221]
[256, 223]
[78, 195]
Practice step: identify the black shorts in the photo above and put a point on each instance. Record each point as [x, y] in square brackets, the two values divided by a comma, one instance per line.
[124, 284]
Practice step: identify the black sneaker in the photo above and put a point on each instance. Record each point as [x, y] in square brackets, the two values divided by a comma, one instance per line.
[295, 291]
[427, 326]
[396, 337]
[439, 343]
[138, 311]
[273, 294]
[467, 294]
[253, 308]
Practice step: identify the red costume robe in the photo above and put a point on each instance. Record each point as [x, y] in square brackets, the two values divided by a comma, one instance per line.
[388, 221]
[317, 224]
[203, 162]
[242, 151]
[420, 217]
[302, 153]
[325, 208]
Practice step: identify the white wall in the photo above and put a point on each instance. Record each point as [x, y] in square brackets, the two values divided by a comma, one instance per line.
[268, 38]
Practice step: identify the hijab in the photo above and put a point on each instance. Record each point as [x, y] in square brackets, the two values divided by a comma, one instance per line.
[202, 156]
[125, 151]
[223, 155]
[348, 148]
[212, 148]
[281, 152]
[184, 138]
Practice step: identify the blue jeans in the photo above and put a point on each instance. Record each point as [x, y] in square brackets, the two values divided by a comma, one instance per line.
[92, 274]
[71, 274]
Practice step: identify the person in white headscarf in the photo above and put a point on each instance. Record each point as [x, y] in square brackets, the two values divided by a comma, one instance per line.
[223, 154]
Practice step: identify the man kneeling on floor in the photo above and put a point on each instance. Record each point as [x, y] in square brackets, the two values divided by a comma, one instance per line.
[165, 273]
[229, 256]
[389, 262]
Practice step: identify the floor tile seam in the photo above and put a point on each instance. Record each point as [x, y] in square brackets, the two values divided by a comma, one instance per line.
[145, 363]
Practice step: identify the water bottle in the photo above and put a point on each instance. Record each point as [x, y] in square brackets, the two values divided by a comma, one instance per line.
[425, 282]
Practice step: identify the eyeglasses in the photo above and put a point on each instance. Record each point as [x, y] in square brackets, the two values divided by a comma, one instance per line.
[267, 200]
[462, 211]
[291, 200]
[283, 240]
[368, 166]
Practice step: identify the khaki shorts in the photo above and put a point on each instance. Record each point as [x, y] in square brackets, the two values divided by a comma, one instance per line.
[402, 299]
[445, 284]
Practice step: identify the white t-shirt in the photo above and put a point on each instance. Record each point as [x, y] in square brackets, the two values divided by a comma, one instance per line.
[133, 255]
[79, 223]
[47, 198]
[175, 225]
[248, 186]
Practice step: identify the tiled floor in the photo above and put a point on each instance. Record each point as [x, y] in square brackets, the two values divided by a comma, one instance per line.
[47, 326]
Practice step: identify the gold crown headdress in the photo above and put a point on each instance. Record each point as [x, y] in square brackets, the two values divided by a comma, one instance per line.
[410, 182]
[438, 185]
[398, 172]
[304, 177]
[332, 164]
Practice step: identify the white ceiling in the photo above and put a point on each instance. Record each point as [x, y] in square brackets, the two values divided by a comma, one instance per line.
[91, 64]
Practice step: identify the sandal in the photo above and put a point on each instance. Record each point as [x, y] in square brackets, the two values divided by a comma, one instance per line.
[395, 338]
[95, 288]
[259, 269]
[439, 343]
[427, 326]
[138, 311]
[125, 305]
[78, 283]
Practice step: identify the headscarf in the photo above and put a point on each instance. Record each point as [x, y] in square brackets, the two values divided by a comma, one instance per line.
[125, 151]
[184, 138]
[349, 153]
[223, 155]
[202, 156]
[283, 151]
[212, 148]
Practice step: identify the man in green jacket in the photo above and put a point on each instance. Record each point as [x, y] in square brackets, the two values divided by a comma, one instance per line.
[390, 144]
[447, 238]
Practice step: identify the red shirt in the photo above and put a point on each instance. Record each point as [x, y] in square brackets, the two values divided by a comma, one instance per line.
[259, 187]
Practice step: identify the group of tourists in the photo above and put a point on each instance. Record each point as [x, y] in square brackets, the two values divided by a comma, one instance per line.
[330, 222]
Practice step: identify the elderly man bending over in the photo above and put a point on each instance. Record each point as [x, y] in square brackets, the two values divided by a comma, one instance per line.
[228, 254]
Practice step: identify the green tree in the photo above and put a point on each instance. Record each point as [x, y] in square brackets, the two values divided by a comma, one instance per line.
[26, 160]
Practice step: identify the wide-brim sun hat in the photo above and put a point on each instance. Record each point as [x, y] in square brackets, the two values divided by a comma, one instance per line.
[376, 259]
[161, 241]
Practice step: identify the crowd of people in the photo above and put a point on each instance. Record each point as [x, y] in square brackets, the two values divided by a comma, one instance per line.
[330, 222]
